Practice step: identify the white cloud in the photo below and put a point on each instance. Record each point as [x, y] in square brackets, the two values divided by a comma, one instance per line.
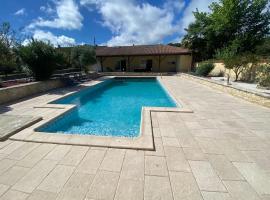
[134, 23]
[54, 40]
[20, 12]
[67, 17]
[188, 17]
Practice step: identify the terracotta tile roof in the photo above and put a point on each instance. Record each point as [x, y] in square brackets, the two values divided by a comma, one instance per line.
[140, 50]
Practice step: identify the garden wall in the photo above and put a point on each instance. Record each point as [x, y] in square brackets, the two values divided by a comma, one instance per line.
[20, 91]
[244, 94]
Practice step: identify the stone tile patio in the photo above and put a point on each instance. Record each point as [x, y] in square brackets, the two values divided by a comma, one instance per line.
[221, 151]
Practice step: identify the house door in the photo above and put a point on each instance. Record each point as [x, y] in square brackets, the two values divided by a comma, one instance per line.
[149, 64]
[123, 65]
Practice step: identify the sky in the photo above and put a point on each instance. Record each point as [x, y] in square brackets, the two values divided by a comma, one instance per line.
[110, 22]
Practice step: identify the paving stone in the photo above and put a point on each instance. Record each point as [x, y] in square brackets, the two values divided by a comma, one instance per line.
[231, 151]
[74, 156]
[156, 166]
[187, 140]
[5, 143]
[216, 196]
[11, 176]
[259, 180]
[206, 177]
[194, 154]
[22, 151]
[5, 164]
[13, 194]
[159, 150]
[184, 186]
[56, 179]
[3, 189]
[34, 177]
[113, 160]
[91, 161]
[103, 186]
[176, 160]
[224, 168]
[11, 147]
[241, 190]
[133, 165]
[168, 141]
[208, 145]
[261, 158]
[42, 195]
[36, 155]
[76, 187]
[129, 189]
[157, 188]
[58, 152]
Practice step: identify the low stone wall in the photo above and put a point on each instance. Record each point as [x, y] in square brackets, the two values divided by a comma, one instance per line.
[136, 73]
[20, 91]
[244, 94]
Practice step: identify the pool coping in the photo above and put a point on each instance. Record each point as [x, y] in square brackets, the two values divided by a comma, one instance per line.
[145, 141]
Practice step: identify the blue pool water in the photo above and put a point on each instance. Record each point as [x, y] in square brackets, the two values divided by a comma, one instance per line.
[111, 108]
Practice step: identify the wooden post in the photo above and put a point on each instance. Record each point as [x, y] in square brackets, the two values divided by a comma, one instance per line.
[128, 64]
[101, 63]
[159, 63]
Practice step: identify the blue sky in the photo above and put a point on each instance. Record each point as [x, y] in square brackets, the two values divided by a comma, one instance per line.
[111, 22]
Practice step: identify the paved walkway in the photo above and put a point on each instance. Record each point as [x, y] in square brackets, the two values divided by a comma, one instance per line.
[220, 152]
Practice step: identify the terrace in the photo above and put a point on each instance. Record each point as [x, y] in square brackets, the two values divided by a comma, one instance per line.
[217, 151]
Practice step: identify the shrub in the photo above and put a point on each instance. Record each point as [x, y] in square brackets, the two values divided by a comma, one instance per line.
[263, 76]
[204, 69]
[40, 58]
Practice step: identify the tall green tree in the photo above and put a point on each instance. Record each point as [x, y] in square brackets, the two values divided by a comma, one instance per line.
[241, 23]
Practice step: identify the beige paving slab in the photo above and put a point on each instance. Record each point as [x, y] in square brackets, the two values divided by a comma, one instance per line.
[187, 140]
[231, 151]
[56, 179]
[261, 158]
[22, 151]
[176, 160]
[91, 162]
[11, 176]
[168, 141]
[155, 166]
[36, 155]
[5, 164]
[184, 186]
[113, 160]
[259, 180]
[194, 154]
[3, 189]
[13, 194]
[159, 150]
[129, 189]
[11, 147]
[208, 145]
[206, 177]
[133, 165]
[224, 168]
[58, 152]
[42, 195]
[74, 156]
[241, 190]
[216, 196]
[157, 188]
[76, 187]
[35, 176]
[103, 186]
[5, 143]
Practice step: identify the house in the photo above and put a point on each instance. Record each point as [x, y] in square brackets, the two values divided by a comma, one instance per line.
[144, 58]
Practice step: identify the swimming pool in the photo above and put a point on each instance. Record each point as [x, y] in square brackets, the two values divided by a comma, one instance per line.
[110, 108]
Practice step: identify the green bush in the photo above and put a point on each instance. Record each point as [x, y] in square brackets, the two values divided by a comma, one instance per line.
[40, 57]
[204, 69]
[263, 76]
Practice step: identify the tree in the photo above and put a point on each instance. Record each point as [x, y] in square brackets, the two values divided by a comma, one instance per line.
[229, 22]
[8, 44]
[40, 57]
[82, 57]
